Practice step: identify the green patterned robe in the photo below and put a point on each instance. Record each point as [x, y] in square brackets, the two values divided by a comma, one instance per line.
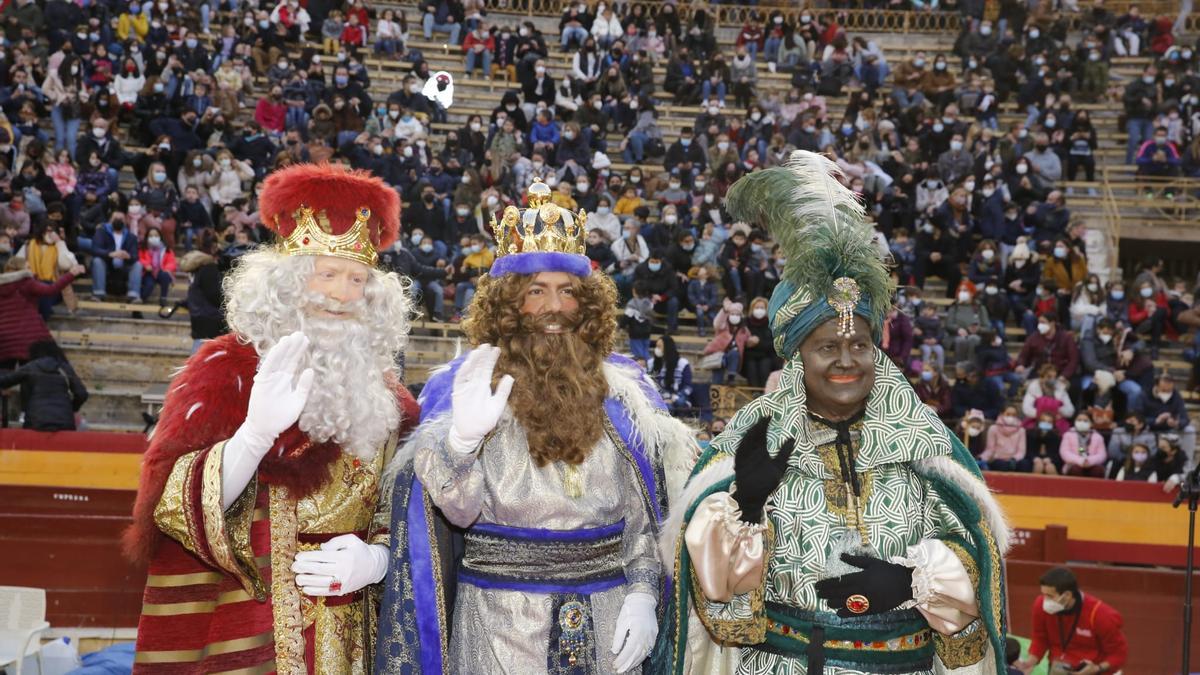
[911, 490]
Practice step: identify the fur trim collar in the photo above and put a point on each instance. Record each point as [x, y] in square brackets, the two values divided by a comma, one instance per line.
[946, 467]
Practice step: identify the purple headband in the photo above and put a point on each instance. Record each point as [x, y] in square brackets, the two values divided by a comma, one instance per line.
[541, 261]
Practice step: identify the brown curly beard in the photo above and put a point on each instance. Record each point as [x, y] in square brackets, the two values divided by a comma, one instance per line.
[558, 385]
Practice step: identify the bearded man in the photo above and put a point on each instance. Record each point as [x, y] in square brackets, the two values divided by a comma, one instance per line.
[836, 526]
[259, 490]
[548, 452]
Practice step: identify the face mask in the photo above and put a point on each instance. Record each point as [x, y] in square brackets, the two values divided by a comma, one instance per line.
[759, 313]
[160, 176]
[670, 220]
[920, 63]
[603, 210]
[1022, 169]
[98, 132]
[191, 43]
[735, 319]
[1045, 426]
[927, 228]
[264, 24]
[939, 66]
[658, 352]
[974, 431]
[708, 199]
[938, 127]
[674, 186]
[581, 188]
[635, 179]
[756, 116]
[991, 290]
[341, 80]
[810, 129]
[654, 267]
[1118, 295]
[539, 70]
[118, 225]
[135, 209]
[926, 376]
[1060, 252]
[1147, 292]
[408, 151]
[956, 146]
[154, 242]
[723, 145]
[1105, 338]
[1083, 426]
[1148, 79]
[1052, 606]
[1043, 328]
[569, 135]
[1139, 458]
[1169, 82]
[988, 254]
[964, 296]
[474, 248]
[985, 30]
[1160, 140]
[462, 213]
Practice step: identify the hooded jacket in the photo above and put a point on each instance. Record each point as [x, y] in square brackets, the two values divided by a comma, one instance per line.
[51, 392]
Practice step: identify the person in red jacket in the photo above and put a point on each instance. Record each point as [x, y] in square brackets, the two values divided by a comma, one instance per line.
[354, 35]
[158, 265]
[1051, 344]
[1078, 631]
[271, 112]
[22, 325]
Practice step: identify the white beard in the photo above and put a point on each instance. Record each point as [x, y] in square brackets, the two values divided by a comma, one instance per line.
[350, 401]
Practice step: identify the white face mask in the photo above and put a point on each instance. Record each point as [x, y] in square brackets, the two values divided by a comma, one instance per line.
[462, 212]
[759, 312]
[1022, 169]
[466, 180]
[475, 126]
[735, 319]
[98, 132]
[991, 290]
[493, 201]
[708, 199]
[581, 188]
[964, 297]
[1043, 328]
[974, 431]
[658, 352]
[670, 220]
[1093, 287]
[1052, 606]
[988, 254]
[603, 210]
[1083, 426]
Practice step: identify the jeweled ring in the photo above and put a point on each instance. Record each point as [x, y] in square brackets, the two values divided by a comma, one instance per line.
[335, 586]
[858, 604]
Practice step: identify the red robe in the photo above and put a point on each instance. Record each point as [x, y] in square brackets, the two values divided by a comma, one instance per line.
[193, 615]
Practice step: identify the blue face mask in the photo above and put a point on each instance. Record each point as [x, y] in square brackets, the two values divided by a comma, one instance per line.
[416, 238]
[427, 248]
[1118, 295]
[685, 142]
[160, 176]
[654, 267]
[341, 80]
[927, 375]
[473, 248]
[1045, 426]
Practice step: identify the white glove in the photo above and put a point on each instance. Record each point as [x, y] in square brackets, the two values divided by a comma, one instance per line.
[637, 628]
[277, 398]
[475, 408]
[345, 560]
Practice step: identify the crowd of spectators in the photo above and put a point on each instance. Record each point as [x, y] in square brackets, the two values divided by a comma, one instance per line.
[165, 116]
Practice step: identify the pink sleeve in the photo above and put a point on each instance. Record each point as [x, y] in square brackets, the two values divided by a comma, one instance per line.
[729, 556]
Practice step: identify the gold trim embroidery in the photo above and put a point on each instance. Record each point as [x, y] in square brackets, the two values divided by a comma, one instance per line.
[839, 497]
[966, 648]
[285, 595]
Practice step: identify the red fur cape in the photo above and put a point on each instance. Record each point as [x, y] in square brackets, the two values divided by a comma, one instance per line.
[205, 404]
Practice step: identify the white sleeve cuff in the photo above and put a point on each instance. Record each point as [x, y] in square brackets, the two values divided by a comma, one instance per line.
[941, 586]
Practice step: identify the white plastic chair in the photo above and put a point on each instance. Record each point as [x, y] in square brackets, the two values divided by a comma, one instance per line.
[22, 619]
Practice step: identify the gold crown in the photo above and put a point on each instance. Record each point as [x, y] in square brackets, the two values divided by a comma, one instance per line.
[543, 226]
[314, 236]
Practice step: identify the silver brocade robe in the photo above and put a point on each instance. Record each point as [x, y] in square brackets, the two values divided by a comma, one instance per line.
[504, 631]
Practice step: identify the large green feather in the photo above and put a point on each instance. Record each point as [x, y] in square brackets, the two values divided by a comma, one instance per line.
[819, 224]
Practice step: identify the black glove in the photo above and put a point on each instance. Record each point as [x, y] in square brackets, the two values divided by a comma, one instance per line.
[756, 475]
[885, 586]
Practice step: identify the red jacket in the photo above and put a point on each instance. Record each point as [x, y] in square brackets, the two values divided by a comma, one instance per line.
[1097, 637]
[146, 257]
[270, 116]
[22, 325]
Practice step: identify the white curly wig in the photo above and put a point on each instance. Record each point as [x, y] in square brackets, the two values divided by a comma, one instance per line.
[351, 401]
